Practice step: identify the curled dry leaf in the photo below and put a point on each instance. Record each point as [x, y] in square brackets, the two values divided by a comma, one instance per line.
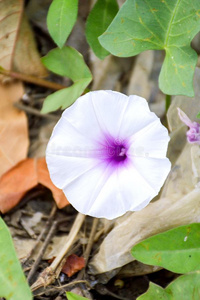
[73, 264]
[164, 214]
[18, 49]
[24, 176]
[191, 106]
[13, 127]
[10, 17]
[26, 56]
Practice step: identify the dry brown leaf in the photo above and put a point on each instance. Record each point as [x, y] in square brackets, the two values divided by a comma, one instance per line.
[24, 176]
[26, 56]
[13, 127]
[10, 17]
[73, 264]
[139, 83]
[18, 50]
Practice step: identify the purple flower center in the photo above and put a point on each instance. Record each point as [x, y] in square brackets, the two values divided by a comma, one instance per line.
[114, 151]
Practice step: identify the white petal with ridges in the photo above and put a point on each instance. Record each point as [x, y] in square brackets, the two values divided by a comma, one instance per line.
[151, 141]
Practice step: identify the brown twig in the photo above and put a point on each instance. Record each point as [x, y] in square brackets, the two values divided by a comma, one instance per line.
[42, 250]
[63, 287]
[43, 232]
[35, 112]
[89, 246]
[32, 79]
[49, 274]
[47, 240]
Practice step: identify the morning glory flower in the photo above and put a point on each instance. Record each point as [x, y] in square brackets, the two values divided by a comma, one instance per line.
[193, 134]
[108, 154]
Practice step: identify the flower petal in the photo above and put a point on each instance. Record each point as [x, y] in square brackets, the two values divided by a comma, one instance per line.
[131, 192]
[93, 154]
[136, 116]
[151, 141]
[153, 170]
[184, 118]
[64, 169]
[109, 109]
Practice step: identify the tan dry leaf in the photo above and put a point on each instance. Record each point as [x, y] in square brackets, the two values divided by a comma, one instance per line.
[26, 56]
[14, 140]
[162, 215]
[27, 174]
[18, 50]
[10, 17]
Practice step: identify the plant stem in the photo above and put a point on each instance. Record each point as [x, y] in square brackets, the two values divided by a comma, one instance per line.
[32, 79]
[168, 99]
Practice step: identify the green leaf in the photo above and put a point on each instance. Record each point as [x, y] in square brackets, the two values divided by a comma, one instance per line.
[198, 115]
[154, 292]
[70, 63]
[168, 25]
[184, 287]
[13, 285]
[177, 250]
[72, 296]
[61, 18]
[98, 20]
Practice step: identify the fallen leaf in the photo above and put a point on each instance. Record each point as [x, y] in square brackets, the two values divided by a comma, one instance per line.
[157, 217]
[10, 16]
[18, 51]
[14, 140]
[26, 56]
[73, 264]
[21, 178]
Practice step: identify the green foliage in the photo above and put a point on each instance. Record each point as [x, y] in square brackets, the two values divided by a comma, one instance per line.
[98, 20]
[72, 296]
[198, 115]
[168, 25]
[61, 18]
[13, 285]
[184, 287]
[171, 248]
[70, 63]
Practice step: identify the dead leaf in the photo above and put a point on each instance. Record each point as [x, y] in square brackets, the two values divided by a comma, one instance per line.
[18, 50]
[159, 216]
[139, 83]
[24, 176]
[39, 144]
[14, 140]
[10, 17]
[26, 56]
[73, 264]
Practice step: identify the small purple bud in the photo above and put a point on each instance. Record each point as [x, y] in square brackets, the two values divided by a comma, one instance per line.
[193, 134]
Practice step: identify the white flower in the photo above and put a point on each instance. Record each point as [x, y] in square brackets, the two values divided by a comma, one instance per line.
[108, 154]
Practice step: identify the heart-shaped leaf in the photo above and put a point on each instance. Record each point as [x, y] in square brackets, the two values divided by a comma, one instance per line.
[168, 25]
[177, 250]
[184, 287]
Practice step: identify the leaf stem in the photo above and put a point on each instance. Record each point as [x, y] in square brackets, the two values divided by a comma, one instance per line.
[168, 100]
[32, 79]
